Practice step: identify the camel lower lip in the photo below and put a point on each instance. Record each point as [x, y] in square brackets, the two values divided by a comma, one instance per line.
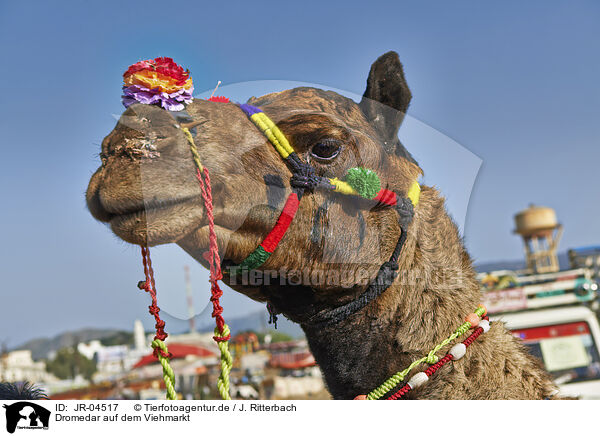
[149, 207]
[142, 217]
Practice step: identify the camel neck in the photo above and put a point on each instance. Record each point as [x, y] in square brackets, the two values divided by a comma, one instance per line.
[360, 352]
[434, 291]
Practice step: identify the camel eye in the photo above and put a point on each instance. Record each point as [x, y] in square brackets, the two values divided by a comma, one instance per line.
[326, 150]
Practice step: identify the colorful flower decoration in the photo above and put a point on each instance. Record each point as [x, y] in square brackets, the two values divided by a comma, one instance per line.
[158, 81]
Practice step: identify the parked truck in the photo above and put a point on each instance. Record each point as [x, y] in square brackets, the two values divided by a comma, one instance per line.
[554, 314]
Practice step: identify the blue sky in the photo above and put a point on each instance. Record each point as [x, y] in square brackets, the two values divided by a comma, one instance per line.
[515, 83]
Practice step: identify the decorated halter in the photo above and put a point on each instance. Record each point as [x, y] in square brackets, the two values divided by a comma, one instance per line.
[360, 182]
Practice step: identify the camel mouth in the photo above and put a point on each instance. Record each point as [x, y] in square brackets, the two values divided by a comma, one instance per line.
[137, 209]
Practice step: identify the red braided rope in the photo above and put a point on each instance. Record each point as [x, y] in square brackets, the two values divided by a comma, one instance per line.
[150, 286]
[403, 390]
[474, 336]
[433, 368]
[213, 256]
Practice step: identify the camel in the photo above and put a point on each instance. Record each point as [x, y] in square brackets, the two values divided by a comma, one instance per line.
[335, 245]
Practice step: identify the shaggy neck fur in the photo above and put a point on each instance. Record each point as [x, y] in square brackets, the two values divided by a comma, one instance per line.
[435, 290]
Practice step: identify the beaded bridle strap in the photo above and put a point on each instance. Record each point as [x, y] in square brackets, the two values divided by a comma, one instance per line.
[476, 320]
[457, 352]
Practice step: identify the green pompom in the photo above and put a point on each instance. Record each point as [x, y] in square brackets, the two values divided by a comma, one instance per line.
[364, 181]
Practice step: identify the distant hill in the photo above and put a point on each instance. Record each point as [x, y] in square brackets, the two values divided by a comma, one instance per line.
[513, 265]
[41, 347]
[257, 321]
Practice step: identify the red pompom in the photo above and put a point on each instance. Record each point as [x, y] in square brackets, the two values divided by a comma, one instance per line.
[219, 99]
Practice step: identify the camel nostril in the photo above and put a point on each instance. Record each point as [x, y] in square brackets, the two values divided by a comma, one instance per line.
[103, 158]
[136, 147]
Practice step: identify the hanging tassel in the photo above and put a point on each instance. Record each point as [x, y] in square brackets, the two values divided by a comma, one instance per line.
[272, 315]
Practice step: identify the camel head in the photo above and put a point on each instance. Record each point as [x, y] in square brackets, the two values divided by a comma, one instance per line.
[147, 191]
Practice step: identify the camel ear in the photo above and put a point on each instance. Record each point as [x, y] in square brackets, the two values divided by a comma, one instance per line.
[386, 100]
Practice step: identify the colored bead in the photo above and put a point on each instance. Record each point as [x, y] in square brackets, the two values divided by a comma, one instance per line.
[458, 351]
[473, 319]
[360, 397]
[417, 380]
[485, 325]
[481, 306]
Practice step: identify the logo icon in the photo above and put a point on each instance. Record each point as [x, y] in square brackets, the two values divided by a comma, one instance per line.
[26, 415]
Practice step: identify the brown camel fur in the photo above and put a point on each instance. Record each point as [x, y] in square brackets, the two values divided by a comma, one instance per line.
[336, 243]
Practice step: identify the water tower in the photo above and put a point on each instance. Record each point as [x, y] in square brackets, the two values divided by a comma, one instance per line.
[541, 234]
